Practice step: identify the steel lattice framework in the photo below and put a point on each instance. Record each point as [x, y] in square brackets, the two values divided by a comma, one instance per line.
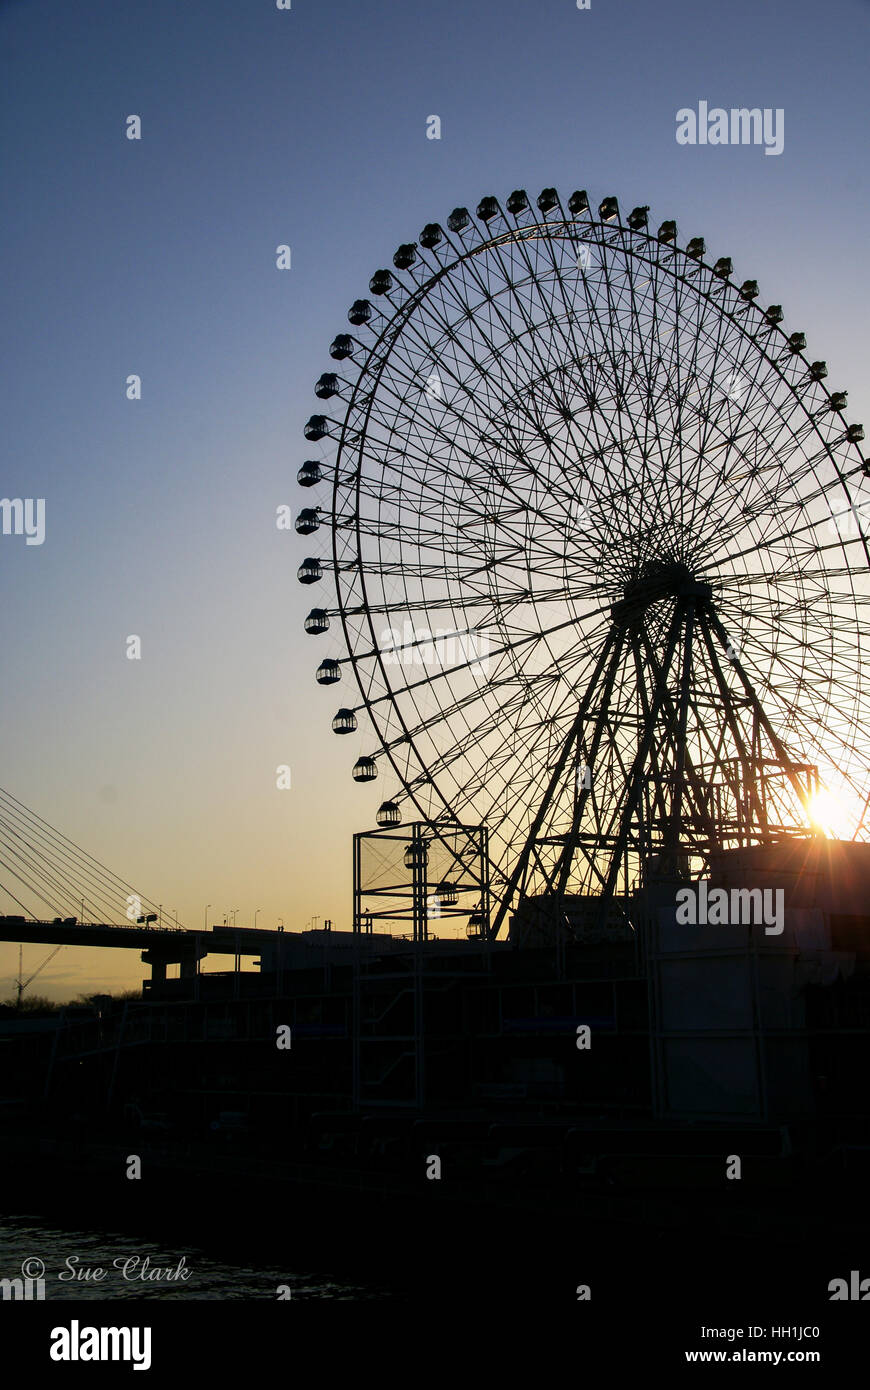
[600, 549]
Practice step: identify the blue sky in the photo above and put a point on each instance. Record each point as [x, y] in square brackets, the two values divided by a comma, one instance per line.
[308, 127]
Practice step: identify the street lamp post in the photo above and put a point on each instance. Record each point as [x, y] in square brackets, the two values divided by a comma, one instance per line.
[205, 917]
[237, 960]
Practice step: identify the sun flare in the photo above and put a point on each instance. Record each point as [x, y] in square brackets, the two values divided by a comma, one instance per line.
[828, 814]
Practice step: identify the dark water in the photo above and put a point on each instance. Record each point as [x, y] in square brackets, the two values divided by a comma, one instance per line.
[41, 1245]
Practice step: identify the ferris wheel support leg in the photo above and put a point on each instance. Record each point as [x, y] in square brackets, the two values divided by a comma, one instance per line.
[779, 747]
[613, 635]
[563, 865]
[692, 777]
[635, 776]
[756, 808]
[673, 840]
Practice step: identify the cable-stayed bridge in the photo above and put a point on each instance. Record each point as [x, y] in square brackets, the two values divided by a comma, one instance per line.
[40, 868]
[53, 892]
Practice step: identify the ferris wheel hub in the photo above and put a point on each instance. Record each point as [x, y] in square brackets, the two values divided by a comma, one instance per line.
[655, 583]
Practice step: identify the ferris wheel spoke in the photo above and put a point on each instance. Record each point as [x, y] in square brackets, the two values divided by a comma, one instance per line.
[424, 481]
[537, 718]
[613, 353]
[502, 776]
[664, 495]
[525, 344]
[577, 356]
[574, 355]
[767, 543]
[778, 492]
[447, 710]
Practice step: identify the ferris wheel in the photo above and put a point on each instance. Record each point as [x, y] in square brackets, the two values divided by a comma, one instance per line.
[599, 551]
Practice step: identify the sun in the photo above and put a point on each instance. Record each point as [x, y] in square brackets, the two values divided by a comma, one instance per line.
[828, 815]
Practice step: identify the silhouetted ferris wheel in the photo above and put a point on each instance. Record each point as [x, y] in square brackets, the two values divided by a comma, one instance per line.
[599, 547]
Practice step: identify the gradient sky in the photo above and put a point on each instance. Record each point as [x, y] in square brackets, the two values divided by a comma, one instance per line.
[308, 127]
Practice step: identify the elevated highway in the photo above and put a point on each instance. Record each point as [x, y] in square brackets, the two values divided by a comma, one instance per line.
[160, 946]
